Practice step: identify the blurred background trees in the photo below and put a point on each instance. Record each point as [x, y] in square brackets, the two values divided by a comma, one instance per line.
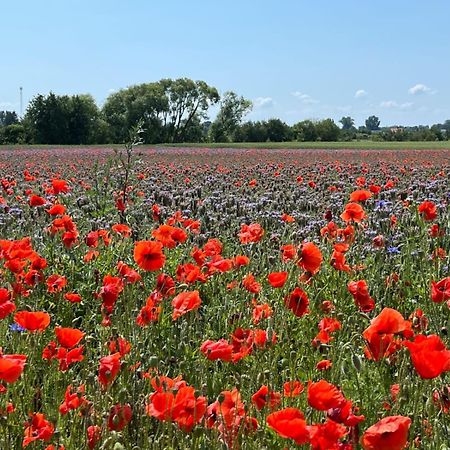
[176, 111]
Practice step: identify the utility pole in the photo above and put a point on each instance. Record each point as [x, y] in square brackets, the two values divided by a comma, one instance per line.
[21, 101]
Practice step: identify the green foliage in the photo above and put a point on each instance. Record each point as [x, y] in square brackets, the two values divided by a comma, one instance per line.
[347, 123]
[13, 134]
[373, 123]
[232, 109]
[8, 118]
[305, 131]
[327, 130]
[62, 119]
[171, 110]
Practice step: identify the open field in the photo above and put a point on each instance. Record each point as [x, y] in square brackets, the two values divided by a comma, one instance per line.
[353, 145]
[225, 298]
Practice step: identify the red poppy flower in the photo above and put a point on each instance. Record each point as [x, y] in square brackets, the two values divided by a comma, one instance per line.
[260, 312]
[428, 209]
[59, 186]
[129, 274]
[251, 233]
[277, 279]
[290, 423]
[56, 283]
[123, 230]
[6, 305]
[345, 414]
[327, 435]
[325, 364]
[215, 350]
[94, 435]
[188, 410]
[109, 368]
[297, 301]
[119, 417]
[11, 367]
[165, 285]
[213, 247]
[266, 396]
[250, 284]
[110, 291]
[56, 210]
[323, 395]
[68, 337]
[440, 291]
[169, 236]
[287, 218]
[360, 195]
[360, 292]
[72, 297]
[429, 355]
[149, 312]
[36, 200]
[293, 388]
[353, 212]
[185, 302]
[390, 433]
[39, 429]
[310, 257]
[380, 334]
[148, 255]
[32, 321]
[288, 252]
[72, 400]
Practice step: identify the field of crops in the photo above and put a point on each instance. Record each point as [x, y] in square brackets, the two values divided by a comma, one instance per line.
[214, 299]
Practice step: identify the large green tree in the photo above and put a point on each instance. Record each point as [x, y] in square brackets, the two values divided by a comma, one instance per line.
[327, 130]
[8, 118]
[373, 123]
[305, 131]
[62, 119]
[347, 123]
[232, 109]
[168, 108]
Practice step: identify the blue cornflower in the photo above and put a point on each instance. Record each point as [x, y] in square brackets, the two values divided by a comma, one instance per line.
[17, 327]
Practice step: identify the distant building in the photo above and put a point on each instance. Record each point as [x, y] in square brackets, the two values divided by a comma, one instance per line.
[396, 129]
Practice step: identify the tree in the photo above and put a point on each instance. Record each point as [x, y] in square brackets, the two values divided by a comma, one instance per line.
[304, 131]
[187, 99]
[55, 119]
[327, 130]
[8, 118]
[12, 134]
[373, 123]
[347, 123]
[232, 109]
[277, 130]
[168, 109]
[251, 132]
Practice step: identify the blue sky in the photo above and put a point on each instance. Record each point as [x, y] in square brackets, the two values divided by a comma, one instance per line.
[295, 59]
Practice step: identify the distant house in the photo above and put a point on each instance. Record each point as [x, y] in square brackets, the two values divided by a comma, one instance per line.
[396, 129]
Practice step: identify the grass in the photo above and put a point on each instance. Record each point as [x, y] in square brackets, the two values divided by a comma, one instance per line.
[357, 145]
[353, 145]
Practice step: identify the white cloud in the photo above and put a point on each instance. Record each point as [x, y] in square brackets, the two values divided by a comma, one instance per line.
[360, 93]
[305, 98]
[420, 89]
[263, 102]
[392, 104]
[111, 91]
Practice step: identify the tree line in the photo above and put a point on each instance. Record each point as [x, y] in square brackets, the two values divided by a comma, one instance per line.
[176, 111]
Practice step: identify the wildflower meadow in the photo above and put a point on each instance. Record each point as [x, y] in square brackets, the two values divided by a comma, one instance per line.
[187, 298]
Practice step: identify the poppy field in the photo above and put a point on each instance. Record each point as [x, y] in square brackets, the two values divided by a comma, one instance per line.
[192, 298]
